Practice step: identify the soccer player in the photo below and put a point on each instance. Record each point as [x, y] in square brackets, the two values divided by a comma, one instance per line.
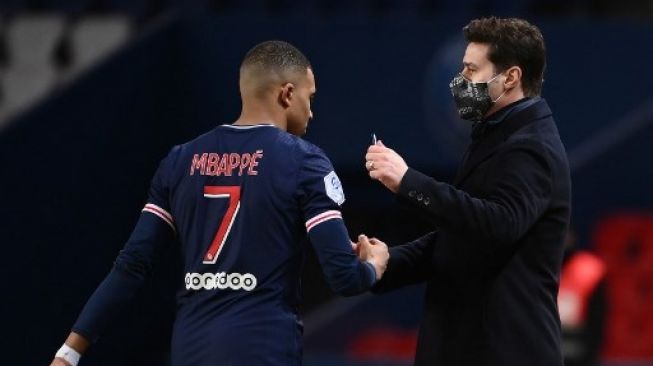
[240, 201]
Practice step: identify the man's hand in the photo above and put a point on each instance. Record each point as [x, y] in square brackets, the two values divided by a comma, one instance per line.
[375, 252]
[385, 165]
[59, 362]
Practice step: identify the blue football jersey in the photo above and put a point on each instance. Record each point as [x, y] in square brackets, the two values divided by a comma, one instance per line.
[240, 201]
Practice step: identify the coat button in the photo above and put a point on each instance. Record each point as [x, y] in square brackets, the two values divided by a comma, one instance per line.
[412, 194]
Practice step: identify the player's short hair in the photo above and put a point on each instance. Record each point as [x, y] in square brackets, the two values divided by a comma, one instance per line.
[277, 57]
[513, 42]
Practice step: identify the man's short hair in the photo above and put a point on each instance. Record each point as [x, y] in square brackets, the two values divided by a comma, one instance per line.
[513, 42]
[276, 57]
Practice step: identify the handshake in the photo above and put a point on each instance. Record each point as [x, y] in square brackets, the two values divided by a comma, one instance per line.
[373, 251]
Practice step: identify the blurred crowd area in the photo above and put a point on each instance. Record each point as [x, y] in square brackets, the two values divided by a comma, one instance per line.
[45, 43]
[141, 10]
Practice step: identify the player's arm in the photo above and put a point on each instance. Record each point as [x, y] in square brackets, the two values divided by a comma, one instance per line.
[320, 195]
[150, 239]
[344, 272]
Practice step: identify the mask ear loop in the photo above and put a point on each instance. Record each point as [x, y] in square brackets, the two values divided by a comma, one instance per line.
[502, 94]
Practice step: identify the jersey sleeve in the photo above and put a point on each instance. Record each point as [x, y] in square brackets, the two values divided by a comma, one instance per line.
[320, 190]
[158, 201]
[150, 239]
[321, 196]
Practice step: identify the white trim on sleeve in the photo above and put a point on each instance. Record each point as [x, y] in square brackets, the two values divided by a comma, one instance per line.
[161, 213]
[324, 216]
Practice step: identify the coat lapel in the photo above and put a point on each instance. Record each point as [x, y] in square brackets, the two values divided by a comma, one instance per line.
[488, 145]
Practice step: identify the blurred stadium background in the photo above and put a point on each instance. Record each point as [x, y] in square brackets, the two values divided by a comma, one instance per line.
[94, 92]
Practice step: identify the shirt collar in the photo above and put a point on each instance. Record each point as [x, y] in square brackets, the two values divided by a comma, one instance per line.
[503, 113]
[487, 124]
[248, 127]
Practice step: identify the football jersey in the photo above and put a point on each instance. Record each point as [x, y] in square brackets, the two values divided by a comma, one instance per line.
[240, 201]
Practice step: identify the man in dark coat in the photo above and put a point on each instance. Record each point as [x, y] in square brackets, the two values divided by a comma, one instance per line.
[492, 262]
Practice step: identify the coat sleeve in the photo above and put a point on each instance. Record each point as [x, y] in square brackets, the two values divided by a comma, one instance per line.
[409, 264]
[516, 193]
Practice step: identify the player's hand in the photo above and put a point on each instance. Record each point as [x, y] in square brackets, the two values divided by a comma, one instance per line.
[59, 362]
[385, 165]
[374, 251]
[355, 248]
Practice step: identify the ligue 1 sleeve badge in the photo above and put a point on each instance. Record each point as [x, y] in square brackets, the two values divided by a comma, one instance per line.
[333, 188]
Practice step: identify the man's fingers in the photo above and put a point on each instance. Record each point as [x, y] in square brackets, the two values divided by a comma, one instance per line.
[375, 156]
[375, 241]
[383, 165]
[369, 165]
[375, 149]
[381, 169]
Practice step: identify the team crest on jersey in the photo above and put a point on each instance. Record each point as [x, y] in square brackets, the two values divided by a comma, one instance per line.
[333, 188]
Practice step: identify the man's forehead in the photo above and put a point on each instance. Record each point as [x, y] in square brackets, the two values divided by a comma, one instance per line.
[476, 54]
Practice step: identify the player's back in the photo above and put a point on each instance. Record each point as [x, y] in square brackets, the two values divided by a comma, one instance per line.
[240, 201]
[235, 199]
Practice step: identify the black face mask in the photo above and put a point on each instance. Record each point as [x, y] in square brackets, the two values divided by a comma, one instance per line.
[472, 99]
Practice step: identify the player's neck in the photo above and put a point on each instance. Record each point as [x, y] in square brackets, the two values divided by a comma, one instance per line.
[257, 116]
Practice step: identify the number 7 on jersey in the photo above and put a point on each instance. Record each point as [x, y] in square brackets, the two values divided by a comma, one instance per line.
[232, 193]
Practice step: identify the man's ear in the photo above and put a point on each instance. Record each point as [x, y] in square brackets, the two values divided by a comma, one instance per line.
[513, 77]
[286, 94]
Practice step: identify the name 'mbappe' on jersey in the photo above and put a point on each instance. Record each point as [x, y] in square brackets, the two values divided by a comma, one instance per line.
[226, 164]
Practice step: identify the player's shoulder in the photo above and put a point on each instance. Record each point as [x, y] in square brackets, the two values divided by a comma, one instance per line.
[177, 152]
[198, 140]
[298, 145]
[305, 154]
[196, 144]
[313, 157]
[309, 148]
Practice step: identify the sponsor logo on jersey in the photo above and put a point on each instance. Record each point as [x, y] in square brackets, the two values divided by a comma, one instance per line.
[220, 281]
